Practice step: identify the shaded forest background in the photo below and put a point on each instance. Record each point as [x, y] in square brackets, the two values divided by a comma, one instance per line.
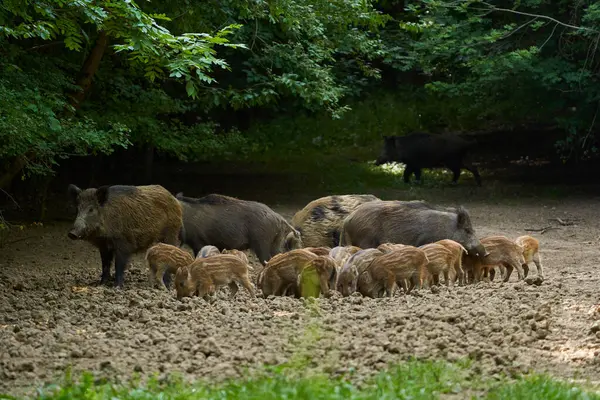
[97, 92]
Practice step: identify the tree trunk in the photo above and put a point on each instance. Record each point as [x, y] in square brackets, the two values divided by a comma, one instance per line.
[17, 165]
[89, 69]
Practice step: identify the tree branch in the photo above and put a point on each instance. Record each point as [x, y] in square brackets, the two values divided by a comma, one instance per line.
[494, 8]
[549, 37]
[43, 46]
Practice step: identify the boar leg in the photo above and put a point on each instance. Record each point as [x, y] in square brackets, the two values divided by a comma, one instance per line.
[538, 263]
[151, 275]
[412, 282]
[525, 270]
[121, 260]
[519, 269]
[447, 278]
[509, 270]
[417, 171]
[502, 271]
[407, 173]
[460, 273]
[390, 284]
[167, 279]
[158, 278]
[233, 287]
[492, 273]
[455, 173]
[473, 169]
[106, 254]
[245, 282]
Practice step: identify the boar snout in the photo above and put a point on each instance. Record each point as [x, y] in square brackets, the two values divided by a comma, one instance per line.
[78, 229]
[479, 250]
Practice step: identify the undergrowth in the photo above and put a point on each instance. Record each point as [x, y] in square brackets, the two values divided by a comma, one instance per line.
[411, 380]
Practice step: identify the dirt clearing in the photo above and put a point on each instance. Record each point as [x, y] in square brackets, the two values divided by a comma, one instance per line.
[52, 316]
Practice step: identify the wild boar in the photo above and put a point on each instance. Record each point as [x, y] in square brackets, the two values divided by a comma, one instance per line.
[320, 221]
[440, 260]
[123, 220]
[341, 254]
[387, 247]
[208, 251]
[240, 254]
[412, 223]
[353, 267]
[422, 150]
[230, 223]
[164, 259]
[320, 251]
[391, 269]
[502, 252]
[206, 275]
[317, 277]
[531, 247]
[280, 274]
[457, 250]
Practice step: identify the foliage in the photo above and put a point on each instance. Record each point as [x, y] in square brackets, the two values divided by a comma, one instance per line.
[518, 61]
[302, 53]
[32, 98]
[296, 55]
[412, 380]
[150, 46]
[290, 76]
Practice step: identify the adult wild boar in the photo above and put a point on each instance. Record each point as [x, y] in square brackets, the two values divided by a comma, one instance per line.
[320, 221]
[230, 223]
[422, 150]
[412, 223]
[122, 220]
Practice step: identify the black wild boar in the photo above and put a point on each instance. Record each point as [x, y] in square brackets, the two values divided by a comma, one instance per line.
[123, 220]
[412, 223]
[320, 221]
[230, 223]
[422, 150]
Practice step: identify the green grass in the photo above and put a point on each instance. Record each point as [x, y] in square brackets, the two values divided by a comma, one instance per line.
[412, 380]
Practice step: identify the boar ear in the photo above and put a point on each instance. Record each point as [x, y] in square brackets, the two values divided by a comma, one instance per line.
[334, 273]
[102, 194]
[463, 221]
[73, 191]
[179, 195]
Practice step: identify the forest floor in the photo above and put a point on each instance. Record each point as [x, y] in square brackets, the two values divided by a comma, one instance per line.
[53, 316]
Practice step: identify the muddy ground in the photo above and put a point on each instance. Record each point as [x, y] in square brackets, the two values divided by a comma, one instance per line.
[52, 316]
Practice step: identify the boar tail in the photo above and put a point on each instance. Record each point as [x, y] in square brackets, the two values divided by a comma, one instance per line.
[342, 235]
[181, 236]
[294, 230]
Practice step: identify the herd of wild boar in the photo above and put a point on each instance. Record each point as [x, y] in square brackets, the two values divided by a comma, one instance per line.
[348, 243]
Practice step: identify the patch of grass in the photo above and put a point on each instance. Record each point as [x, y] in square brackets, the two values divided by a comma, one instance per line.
[412, 380]
[542, 387]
